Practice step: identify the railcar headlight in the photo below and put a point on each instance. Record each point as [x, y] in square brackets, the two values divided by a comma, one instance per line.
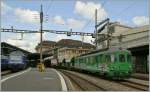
[130, 67]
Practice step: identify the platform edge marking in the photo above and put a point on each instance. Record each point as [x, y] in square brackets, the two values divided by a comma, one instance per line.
[15, 75]
[63, 83]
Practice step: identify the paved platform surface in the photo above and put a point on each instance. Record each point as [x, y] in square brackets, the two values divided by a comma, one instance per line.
[33, 80]
[141, 76]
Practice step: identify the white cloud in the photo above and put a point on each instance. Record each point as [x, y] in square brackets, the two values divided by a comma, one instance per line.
[70, 22]
[27, 15]
[75, 24]
[140, 20]
[5, 8]
[87, 10]
[28, 42]
[63, 36]
[58, 20]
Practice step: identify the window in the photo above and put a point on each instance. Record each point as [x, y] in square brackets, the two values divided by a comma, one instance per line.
[16, 58]
[122, 58]
[89, 61]
[99, 58]
[116, 58]
[96, 58]
[108, 59]
[112, 58]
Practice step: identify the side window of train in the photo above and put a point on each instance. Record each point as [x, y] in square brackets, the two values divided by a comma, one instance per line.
[99, 58]
[91, 60]
[112, 58]
[116, 57]
[108, 58]
[103, 59]
[88, 61]
[84, 61]
[122, 58]
[96, 58]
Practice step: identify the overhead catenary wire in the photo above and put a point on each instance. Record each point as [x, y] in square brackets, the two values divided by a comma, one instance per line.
[119, 14]
[102, 5]
[125, 9]
[49, 6]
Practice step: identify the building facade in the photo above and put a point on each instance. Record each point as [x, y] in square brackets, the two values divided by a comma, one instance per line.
[67, 53]
[66, 49]
[114, 29]
[46, 45]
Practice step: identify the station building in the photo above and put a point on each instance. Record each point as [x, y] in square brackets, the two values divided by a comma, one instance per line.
[69, 48]
[7, 48]
[46, 45]
[66, 49]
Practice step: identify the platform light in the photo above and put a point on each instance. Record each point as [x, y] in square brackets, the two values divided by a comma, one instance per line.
[68, 33]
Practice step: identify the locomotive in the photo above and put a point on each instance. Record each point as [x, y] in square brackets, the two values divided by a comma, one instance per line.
[17, 61]
[4, 62]
[110, 63]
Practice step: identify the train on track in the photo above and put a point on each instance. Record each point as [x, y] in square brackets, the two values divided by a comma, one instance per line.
[110, 63]
[4, 62]
[15, 61]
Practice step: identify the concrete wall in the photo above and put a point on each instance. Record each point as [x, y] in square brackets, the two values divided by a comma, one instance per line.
[131, 37]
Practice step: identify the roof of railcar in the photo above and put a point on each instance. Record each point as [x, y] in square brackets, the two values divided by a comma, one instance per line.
[111, 50]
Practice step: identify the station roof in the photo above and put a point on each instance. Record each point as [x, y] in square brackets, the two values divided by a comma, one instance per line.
[36, 56]
[11, 48]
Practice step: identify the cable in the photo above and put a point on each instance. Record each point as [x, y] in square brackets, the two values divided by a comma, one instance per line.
[123, 11]
[49, 6]
[102, 5]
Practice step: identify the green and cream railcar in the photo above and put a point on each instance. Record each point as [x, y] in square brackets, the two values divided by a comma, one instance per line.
[110, 63]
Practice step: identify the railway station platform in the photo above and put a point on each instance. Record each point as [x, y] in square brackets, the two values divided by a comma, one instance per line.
[141, 76]
[33, 80]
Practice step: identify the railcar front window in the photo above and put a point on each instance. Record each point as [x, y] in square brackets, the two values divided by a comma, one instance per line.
[122, 58]
[15, 58]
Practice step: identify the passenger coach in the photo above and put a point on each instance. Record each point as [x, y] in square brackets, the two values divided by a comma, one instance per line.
[112, 63]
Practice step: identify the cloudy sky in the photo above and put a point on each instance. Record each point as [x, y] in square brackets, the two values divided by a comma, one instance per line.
[66, 14]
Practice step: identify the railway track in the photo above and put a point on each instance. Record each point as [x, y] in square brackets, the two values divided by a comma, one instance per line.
[81, 83]
[141, 76]
[111, 85]
[135, 85]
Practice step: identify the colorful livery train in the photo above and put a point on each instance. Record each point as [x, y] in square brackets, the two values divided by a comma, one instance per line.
[111, 63]
[15, 61]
